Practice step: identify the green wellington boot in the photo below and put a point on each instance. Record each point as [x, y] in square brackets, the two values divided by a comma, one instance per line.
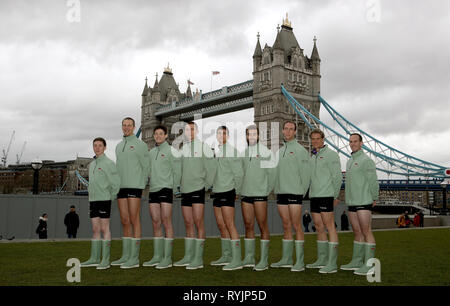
[236, 261]
[357, 257]
[167, 260]
[133, 261]
[249, 256]
[322, 256]
[197, 263]
[96, 249]
[226, 254]
[158, 252]
[331, 266]
[299, 253]
[286, 259]
[188, 253]
[368, 254]
[263, 262]
[126, 248]
[106, 251]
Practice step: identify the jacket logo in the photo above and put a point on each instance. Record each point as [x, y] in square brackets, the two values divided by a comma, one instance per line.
[99, 168]
[292, 153]
[321, 157]
[132, 147]
[356, 164]
[257, 155]
[162, 155]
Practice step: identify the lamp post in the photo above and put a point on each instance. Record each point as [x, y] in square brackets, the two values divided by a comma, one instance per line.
[36, 164]
[444, 197]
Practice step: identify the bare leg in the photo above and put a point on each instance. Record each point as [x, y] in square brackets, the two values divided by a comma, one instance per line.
[261, 218]
[166, 215]
[134, 209]
[188, 221]
[320, 227]
[286, 220]
[124, 217]
[353, 217]
[155, 213]
[295, 213]
[228, 216]
[104, 224]
[248, 213]
[221, 223]
[96, 228]
[328, 220]
[198, 212]
[365, 220]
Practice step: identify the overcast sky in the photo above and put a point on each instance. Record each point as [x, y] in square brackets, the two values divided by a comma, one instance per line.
[70, 73]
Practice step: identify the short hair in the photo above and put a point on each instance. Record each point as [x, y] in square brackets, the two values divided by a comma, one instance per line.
[223, 127]
[72, 206]
[160, 127]
[129, 118]
[359, 136]
[290, 121]
[100, 139]
[317, 131]
[193, 123]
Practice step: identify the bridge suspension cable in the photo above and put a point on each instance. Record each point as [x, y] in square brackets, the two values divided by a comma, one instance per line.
[387, 159]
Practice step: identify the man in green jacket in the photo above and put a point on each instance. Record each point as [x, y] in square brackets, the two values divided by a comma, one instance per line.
[227, 184]
[104, 184]
[293, 177]
[326, 181]
[133, 165]
[361, 194]
[164, 179]
[197, 173]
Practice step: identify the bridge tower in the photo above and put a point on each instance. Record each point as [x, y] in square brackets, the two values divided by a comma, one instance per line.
[164, 92]
[285, 63]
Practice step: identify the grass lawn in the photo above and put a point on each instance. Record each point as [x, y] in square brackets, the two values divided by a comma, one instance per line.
[408, 257]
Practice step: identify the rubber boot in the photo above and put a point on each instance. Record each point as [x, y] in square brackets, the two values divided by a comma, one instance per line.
[96, 249]
[357, 257]
[322, 256]
[158, 252]
[249, 257]
[133, 261]
[167, 260]
[263, 262]
[368, 254]
[236, 261]
[188, 253]
[197, 263]
[126, 248]
[331, 266]
[286, 259]
[106, 251]
[299, 253]
[226, 254]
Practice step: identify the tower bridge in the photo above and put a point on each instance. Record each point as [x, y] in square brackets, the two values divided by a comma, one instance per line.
[285, 86]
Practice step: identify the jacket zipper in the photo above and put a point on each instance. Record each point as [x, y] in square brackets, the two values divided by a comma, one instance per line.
[123, 149]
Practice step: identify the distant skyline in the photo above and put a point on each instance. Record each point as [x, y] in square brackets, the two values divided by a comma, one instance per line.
[71, 70]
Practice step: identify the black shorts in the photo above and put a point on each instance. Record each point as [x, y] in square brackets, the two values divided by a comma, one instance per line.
[100, 209]
[195, 197]
[164, 195]
[319, 205]
[125, 193]
[360, 207]
[289, 199]
[224, 198]
[252, 200]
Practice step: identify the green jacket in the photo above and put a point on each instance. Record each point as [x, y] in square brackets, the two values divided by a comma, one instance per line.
[197, 166]
[361, 182]
[104, 181]
[229, 171]
[165, 171]
[326, 174]
[259, 171]
[293, 169]
[132, 162]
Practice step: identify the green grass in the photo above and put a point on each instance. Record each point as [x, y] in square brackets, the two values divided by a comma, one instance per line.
[409, 257]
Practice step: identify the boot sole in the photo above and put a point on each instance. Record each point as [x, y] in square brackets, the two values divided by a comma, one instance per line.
[103, 268]
[259, 270]
[220, 264]
[91, 265]
[330, 272]
[349, 269]
[130, 267]
[169, 266]
[181, 265]
[150, 265]
[232, 269]
[194, 268]
[283, 266]
[315, 267]
[370, 272]
[298, 270]
[117, 264]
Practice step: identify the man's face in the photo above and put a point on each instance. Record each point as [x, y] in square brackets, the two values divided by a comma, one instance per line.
[289, 131]
[355, 143]
[99, 148]
[127, 127]
[190, 131]
[159, 136]
[317, 141]
[252, 137]
[222, 136]
[72, 209]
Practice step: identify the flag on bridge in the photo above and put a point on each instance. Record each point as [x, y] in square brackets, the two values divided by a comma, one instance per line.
[215, 72]
[190, 83]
